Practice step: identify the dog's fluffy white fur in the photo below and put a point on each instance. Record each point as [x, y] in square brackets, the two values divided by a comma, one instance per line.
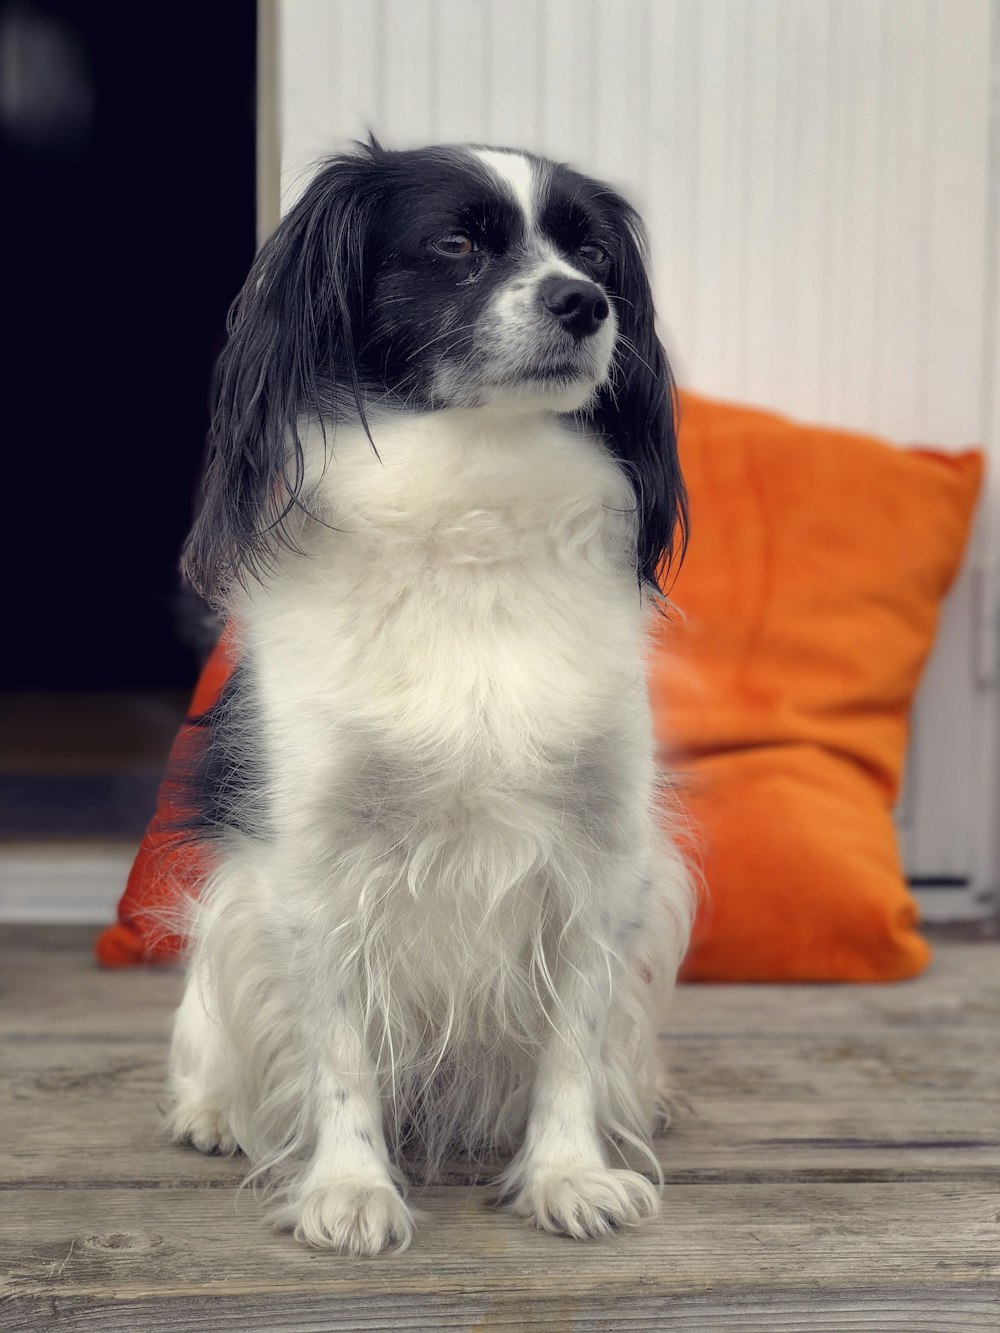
[459, 918]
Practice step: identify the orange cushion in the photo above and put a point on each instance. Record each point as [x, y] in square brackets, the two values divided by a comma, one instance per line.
[808, 603]
[809, 594]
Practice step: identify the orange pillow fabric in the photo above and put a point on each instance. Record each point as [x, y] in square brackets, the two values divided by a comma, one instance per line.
[808, 600]
[807, 607]
[167, 866]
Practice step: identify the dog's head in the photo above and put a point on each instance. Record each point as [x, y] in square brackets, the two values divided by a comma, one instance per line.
[456, 277]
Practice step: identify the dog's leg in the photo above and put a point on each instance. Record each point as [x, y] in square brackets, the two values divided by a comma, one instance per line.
[346, 1200]
[560, 1179]
[200, 1074]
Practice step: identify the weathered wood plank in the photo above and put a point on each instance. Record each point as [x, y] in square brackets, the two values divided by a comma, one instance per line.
[42, 998]
[43, 968]
[859, 1310]
[51, 987]
[744, 1248]
[80, 1108]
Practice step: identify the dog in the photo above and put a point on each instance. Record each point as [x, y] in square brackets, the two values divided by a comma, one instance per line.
[443, 909]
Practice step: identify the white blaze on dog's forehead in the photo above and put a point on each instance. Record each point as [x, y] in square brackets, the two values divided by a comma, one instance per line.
[517, 173]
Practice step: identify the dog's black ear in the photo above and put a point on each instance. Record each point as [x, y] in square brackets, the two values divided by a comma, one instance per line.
[637, 412]
[293, 331]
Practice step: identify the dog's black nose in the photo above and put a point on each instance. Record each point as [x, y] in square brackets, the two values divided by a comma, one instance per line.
[579, 306]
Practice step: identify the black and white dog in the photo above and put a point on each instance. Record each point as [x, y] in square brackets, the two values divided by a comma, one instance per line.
[443, 486]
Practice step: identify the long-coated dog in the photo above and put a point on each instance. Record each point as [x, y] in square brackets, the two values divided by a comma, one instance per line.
[441, 495]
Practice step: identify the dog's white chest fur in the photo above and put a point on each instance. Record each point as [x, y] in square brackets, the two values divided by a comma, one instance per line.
[457, 659]
[470, 604]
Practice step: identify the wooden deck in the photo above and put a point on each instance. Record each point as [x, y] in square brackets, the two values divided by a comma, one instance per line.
[839, 1169]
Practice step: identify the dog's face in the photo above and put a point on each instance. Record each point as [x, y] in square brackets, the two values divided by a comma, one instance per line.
[438, 278]
[491, 281]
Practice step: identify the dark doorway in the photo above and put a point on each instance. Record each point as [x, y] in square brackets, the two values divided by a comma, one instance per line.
[128, 139]
[130, 162]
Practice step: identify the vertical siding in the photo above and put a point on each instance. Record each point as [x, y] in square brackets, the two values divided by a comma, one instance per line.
[813, 172]
[815, 178]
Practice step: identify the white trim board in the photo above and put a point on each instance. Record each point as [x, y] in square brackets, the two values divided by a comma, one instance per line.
[63, 884]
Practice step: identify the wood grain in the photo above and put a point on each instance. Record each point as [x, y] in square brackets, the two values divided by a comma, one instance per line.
[733, 1246]
[836, 1165]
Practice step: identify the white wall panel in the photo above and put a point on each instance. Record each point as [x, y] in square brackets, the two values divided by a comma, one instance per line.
[816, 178]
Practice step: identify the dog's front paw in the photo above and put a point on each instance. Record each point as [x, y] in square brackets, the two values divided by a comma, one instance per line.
[352, 1216]
[206, 1127]
[585, 1202]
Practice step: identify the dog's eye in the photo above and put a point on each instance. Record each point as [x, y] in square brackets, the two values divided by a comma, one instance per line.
[592, 253]
[455, 243]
